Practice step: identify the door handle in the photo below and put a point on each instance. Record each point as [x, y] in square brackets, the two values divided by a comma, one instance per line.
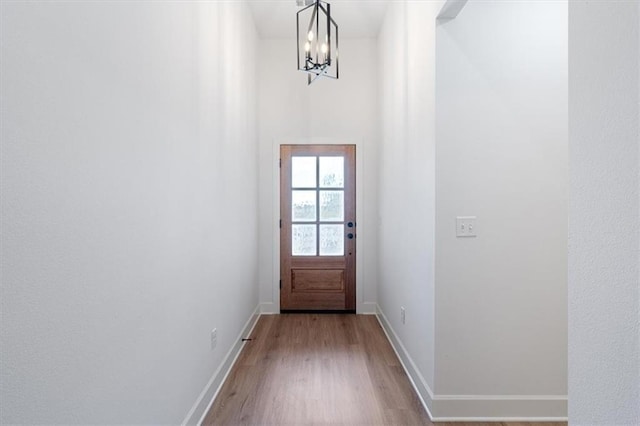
[350, 236]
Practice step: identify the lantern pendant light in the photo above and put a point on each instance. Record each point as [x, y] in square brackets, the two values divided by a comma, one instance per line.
[317, 37]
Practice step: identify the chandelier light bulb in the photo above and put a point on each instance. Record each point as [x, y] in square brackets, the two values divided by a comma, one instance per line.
[307, 47]
[310, 36]
[324, 48]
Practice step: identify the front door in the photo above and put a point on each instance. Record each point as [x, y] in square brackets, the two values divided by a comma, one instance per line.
[318, 228]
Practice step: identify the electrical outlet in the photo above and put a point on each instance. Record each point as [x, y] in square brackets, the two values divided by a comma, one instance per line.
[214, 338]
[402, 314]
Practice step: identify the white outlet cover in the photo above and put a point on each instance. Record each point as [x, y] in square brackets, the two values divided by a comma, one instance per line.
[214, 338]
[466, 226]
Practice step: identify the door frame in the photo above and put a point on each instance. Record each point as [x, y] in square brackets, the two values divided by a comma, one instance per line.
[361, 246]
[325, 299]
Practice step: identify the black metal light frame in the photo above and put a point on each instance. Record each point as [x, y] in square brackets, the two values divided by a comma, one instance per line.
[315, 62]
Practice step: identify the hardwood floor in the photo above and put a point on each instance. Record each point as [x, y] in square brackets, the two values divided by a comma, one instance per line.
[310, 369]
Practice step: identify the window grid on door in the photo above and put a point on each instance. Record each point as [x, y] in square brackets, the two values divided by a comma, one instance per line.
[317, 205]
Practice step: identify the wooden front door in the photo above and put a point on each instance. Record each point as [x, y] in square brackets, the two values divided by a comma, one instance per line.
[318, 228]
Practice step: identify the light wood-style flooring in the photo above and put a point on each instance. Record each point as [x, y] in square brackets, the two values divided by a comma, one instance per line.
[320, 369]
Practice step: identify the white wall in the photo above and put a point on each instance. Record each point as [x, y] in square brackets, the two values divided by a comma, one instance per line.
[129, 205]
[485, 333]
[406, 247]
[501, 302]
[342, 111]
[604, 251]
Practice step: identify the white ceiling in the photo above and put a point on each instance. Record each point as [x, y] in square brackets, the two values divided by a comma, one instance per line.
[355, 18]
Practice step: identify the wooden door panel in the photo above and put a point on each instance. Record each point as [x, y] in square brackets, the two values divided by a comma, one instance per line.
[317, 211]
[317, 280]
[317, 302]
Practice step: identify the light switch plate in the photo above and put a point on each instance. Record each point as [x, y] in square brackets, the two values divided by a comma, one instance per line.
[466, 226]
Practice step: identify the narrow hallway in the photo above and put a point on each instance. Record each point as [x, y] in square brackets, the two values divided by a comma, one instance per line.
[149, 221]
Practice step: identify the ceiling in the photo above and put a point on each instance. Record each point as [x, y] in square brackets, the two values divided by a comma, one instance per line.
[355, 18]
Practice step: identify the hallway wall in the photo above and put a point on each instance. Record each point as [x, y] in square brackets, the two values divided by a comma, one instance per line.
[129, 205]
[604, 213]
[474, 124]
[328, 111]
[501, 155]
[406, 247]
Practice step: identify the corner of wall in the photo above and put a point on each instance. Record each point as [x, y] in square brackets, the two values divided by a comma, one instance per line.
[269, 308]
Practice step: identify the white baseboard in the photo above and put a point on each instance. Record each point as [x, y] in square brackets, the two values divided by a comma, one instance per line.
[269, 308]
[524, 408]
[368, 308]
[208, 395]
[475, 408]
[415, 377]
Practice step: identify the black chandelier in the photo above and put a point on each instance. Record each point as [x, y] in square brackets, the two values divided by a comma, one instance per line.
[317, 40]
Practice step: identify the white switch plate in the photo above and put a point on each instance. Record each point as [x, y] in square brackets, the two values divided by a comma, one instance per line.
[402, 314]
[466, 226]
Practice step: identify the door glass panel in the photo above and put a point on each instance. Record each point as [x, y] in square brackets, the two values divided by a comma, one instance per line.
[331, 240]
[332, 206]
[303, 206]
[303, 240]
[331, 172]
[303, 172]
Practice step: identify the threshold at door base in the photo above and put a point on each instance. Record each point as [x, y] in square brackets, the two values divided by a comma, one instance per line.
[317, 311]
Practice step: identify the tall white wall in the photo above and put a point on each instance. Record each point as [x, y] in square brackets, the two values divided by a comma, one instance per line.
[604, 218]
[406, 247]
[501, 155]
[129, 205]
[342, 111]
[485, 332]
